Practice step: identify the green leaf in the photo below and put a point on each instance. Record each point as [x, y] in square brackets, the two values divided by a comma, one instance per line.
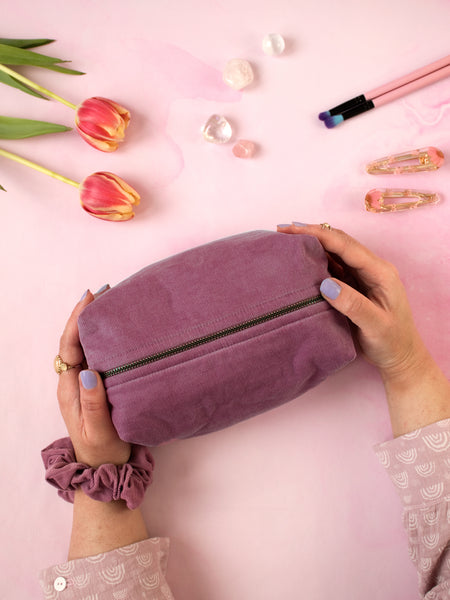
[15, 129]
[25, 43]
[5, 78]
[10, 55]
[2, 188]
[64, 69]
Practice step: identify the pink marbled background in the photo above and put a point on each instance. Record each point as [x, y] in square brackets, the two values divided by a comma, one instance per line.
[293, 503]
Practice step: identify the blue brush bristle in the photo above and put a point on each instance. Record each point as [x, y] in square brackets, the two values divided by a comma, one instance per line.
[331, 122]
[324, 115]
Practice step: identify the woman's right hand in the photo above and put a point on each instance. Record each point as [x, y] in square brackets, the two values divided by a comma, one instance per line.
[385, 328]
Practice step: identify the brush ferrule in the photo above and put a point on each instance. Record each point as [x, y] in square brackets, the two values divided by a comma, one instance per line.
[358, 110]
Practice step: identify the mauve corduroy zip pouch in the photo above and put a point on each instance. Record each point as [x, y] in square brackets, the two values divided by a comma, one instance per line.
[214, 335]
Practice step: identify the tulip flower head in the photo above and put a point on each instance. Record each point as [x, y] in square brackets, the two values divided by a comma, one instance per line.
[107, 196]
[102, 123]
[102, 194]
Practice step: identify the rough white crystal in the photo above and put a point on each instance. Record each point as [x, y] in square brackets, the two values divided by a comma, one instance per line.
[238, 73]
[273, 44]
[217, 130]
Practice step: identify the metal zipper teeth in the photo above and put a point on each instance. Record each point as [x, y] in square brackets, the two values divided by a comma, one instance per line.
[213, 336]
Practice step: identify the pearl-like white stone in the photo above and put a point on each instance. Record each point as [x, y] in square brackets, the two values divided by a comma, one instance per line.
[217, 130]
[273, 44]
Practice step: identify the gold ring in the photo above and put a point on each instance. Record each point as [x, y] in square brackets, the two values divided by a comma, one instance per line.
[61, 366]
[326, 226]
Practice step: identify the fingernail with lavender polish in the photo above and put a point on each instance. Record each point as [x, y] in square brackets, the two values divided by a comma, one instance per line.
[88, 379]
[297, 224]
[283, 225]
[102, 289]
[330, 289]
[84, 295]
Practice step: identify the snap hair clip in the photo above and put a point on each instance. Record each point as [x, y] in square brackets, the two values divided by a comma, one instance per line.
[411, 161]
[402, 199]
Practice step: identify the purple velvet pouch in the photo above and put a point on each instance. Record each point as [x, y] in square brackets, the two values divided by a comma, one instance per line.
[214, 335]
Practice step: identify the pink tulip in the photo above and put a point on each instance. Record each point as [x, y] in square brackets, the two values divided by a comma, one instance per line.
[102, 123]
[107, 196]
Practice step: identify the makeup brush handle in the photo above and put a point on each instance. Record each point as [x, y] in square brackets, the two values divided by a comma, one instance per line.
[414, 75]
[413, 86]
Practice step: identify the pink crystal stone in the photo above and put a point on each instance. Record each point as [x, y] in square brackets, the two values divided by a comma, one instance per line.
[217, 130]
[244, 149]
[374, 201]
[238, 73]
[436, 156]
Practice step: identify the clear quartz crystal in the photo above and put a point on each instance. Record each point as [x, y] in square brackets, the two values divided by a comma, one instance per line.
[238, 73]
[273, 44]
[217, 130]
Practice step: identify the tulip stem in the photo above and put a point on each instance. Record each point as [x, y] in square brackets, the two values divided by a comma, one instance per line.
[28, 163]
[35, 86]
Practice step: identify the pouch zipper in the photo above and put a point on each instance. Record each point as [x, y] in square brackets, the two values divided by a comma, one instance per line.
[213, 336]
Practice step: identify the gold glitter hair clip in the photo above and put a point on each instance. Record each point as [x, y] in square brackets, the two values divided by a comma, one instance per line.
[411, 161]
[376, 199]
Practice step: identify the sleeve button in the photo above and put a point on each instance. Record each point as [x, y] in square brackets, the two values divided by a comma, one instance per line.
[60, 584]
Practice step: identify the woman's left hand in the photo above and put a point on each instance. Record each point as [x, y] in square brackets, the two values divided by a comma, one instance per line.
[83, 404]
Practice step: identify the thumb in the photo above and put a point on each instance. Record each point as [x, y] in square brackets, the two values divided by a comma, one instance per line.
[93, 404]
[351, 303]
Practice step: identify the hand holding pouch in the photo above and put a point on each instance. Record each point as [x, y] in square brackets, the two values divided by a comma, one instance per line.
[214, 335]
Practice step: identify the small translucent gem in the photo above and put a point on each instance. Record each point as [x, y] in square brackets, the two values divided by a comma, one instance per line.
[273, 44]
[238, 73]
[244, 149]
[217, 130]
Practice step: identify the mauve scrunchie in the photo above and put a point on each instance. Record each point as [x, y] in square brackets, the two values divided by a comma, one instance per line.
[106, 483]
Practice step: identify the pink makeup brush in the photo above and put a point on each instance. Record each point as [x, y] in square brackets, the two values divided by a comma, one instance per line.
[387, 92]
